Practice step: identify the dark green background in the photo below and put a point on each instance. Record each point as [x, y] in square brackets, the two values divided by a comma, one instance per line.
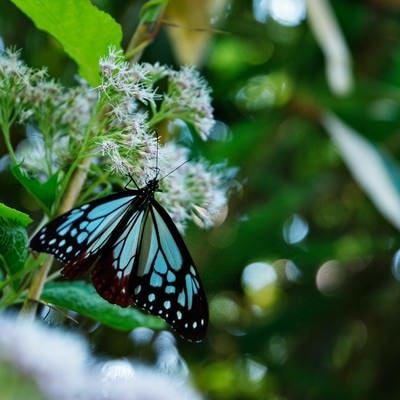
[340, 341]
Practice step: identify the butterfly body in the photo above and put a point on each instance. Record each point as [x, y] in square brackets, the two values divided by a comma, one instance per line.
[135, 255]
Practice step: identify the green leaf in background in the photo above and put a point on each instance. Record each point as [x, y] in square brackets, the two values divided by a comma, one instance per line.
[81, 297]
[375, 171]
[83, 30]
[14, 215]
[151, 10]
[44, 193]
[13, 239]
[16, 384]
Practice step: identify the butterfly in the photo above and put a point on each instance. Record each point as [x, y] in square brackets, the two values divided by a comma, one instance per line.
[134, 254]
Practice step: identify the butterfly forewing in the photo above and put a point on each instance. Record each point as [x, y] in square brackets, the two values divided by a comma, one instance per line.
[78, 237]
[167, 283]
[70, 234]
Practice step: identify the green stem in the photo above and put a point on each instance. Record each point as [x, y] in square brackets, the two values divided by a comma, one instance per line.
[30, 306]
[7, 140]
[159, 117]
[83, 149]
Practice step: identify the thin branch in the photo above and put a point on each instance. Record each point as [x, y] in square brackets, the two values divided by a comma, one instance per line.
[30, 305]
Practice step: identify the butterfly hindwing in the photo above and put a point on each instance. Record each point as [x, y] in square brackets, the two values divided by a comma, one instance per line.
[167, 282]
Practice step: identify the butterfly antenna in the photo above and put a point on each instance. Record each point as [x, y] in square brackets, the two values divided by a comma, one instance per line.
[169, 173]
[131, 179]
[157, 169]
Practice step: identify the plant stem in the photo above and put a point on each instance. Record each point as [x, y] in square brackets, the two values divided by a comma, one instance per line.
[35, 291]
[6, 134]
[29, 307]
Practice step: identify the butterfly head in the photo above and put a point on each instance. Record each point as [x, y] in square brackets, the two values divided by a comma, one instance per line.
[152, 185]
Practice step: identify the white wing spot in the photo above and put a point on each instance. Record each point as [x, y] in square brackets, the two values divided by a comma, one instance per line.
[186, 325]
[52, 241]
[202, 321]
[179, 314]
[62, 243]
[138, 288]
[167, 304]
[152, 297]
[69, 249]
[195, 325]
[193, 271]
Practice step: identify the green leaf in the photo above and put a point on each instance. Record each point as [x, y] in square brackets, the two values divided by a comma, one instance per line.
[151, 10]
[16, 384]
[81, 297]
[14, 215]
[43, 192]
[376, 172]
[83, 30]
[13, 244]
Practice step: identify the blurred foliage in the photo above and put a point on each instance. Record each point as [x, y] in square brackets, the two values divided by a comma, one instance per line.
[316, 314]
[16, 386]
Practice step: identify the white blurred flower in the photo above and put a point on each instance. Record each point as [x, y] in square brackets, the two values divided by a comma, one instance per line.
[141, 383]
[55, 360]
[169, 360]
[40, 161]
[60, 364]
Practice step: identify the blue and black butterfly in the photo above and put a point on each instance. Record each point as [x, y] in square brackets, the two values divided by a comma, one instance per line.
[134, 254]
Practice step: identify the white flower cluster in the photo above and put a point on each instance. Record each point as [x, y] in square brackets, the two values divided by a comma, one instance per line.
[187, 96]
[194, 191]
[134, 82]
[61, 366]
[189, 99]
[57, 115]
[117, 125]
